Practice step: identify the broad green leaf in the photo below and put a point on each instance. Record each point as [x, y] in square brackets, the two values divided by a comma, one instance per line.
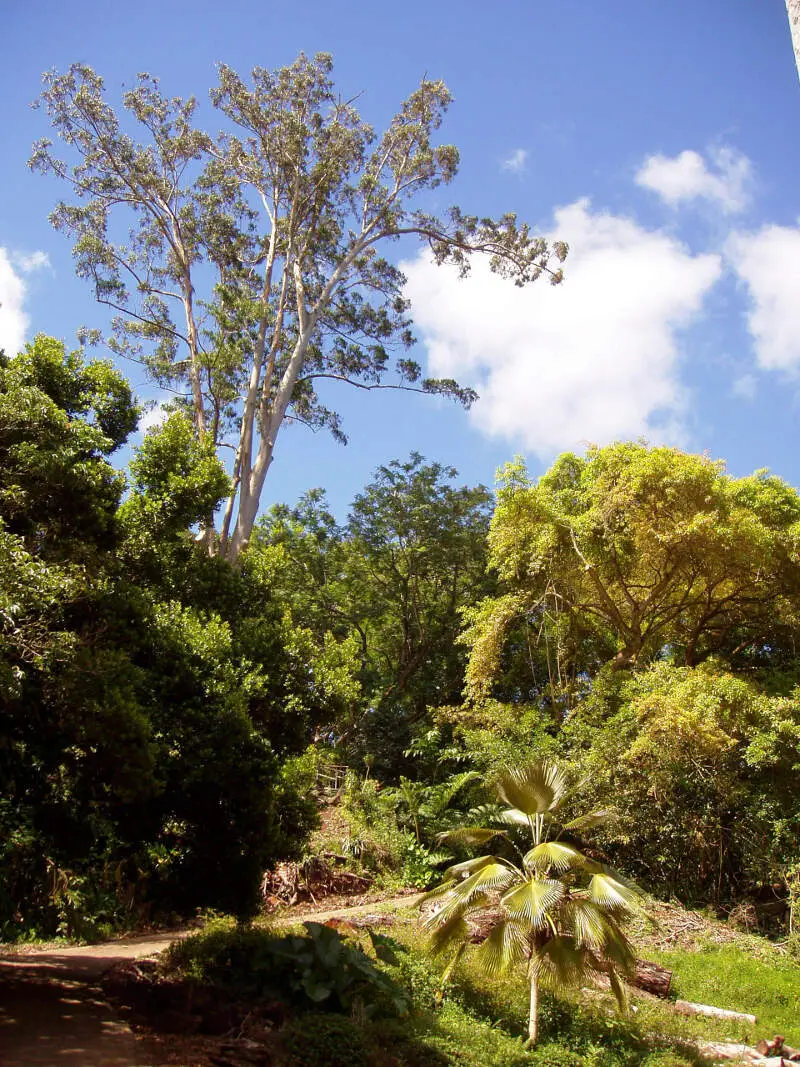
[532, 900]
[555, 855]
[534, 788]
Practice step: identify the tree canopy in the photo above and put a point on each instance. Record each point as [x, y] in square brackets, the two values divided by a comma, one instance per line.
[389, 584]
[256, 266]
[149, 695]
[653, 549]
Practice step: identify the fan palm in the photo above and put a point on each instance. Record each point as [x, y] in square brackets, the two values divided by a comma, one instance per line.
[562, 914]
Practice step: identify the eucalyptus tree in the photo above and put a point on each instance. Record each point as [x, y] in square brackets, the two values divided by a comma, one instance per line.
[256, 265]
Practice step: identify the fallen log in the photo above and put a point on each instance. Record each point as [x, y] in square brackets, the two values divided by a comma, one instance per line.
[686, 1007]
[778, 1047]
[770, 1048]
[652, 978]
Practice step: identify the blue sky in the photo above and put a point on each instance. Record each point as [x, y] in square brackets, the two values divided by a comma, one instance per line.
[661, 140]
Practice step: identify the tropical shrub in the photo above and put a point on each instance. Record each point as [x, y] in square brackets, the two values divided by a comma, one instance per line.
[562, 914]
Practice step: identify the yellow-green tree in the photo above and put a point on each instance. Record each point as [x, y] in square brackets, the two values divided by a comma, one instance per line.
[653, 548]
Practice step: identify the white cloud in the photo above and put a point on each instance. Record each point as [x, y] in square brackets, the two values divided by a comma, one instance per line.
[744, 387]
[153, 417]
[13, 320]
[768, 262]
[31, 261]
[595, 358]
[688, 177]
[517, 161]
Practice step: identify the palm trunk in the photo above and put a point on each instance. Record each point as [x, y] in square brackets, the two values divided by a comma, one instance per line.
[533, 1013]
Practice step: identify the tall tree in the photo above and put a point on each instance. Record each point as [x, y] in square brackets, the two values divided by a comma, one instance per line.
[653, 548]
[392, 581]
[255, 267]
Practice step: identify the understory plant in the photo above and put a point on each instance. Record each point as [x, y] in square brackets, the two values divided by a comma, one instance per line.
[560, 913]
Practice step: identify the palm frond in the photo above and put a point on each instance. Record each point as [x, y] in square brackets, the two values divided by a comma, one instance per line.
[454, 873]
[534, 788]
[555, 855]
[513, 817]
[533, 900]
[620, 991]
[590, 820]
[448, 933]
[496, 875]
[468, 835]
[611, 893]
[561, 963]
[585, 921]
[617, 950]
[506, 946]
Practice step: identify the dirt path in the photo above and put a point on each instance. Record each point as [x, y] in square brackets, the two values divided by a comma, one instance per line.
[53, 1012]
[376, 907]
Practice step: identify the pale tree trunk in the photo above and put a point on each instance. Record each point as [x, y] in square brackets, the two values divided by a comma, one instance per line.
[793, 11]
[533, 1013]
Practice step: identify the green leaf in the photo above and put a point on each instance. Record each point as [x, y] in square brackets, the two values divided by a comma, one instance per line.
[555, 855]
[383, 946]
[533, 900]
[534, 788]
[316, 991]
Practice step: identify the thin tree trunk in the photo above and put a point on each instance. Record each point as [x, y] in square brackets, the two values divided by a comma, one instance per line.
[793, 11]
[533, 1014]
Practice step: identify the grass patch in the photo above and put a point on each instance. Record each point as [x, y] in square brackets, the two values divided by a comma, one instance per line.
[766, 985]
[483, 1020]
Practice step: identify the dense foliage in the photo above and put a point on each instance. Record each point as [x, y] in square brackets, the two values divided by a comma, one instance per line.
[634, 614]
[388, 586]
[148, 693]
[645, 629]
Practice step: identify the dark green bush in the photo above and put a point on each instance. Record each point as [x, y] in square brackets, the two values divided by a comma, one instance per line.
[319, 969]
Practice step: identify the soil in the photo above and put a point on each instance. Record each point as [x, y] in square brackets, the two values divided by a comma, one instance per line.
[54, 1011]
